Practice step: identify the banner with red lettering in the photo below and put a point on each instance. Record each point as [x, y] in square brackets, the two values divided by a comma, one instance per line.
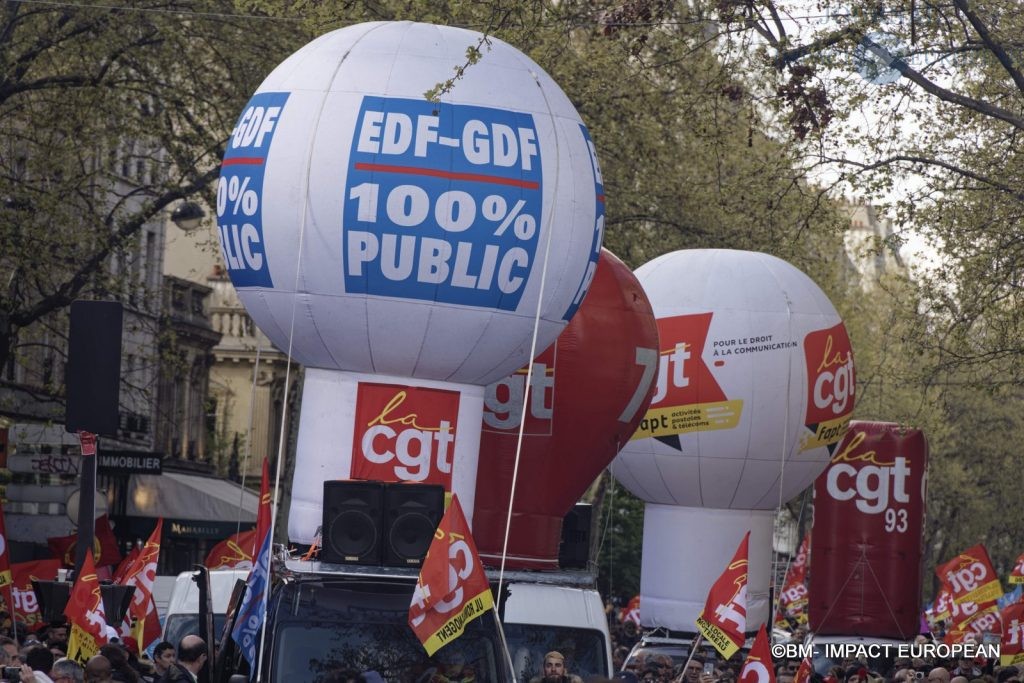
[404, 433]
[85, 615]
[724, 619]
[1017, 575]
[142, 615]
[104, 545]
[26, 605]
[758, 667]
[452, 589]
[970, 577]
[868, 532]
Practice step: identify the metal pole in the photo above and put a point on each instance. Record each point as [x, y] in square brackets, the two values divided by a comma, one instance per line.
[86, 509]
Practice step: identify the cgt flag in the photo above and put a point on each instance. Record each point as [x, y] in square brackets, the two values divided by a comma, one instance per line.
[1011, 648]
[1017, 575]
[85, 614]
[724, 619]
[970, 577]
[758, 667]
[237, 550]
[793, 596]
[452, 589]
[142, 614]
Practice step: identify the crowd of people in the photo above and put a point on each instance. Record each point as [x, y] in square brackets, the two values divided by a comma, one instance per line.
[662, 668]
[41, 657]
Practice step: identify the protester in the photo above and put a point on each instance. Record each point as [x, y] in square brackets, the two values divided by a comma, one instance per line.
[67, 671]
[38, 663]
[192, 654]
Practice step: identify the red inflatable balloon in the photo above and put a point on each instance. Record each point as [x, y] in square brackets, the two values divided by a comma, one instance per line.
[588, 393]
[866, 542]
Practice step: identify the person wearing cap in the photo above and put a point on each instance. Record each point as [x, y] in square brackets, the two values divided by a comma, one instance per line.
[554, 670]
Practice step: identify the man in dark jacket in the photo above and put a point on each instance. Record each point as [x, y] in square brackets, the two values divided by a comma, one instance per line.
[191, 657]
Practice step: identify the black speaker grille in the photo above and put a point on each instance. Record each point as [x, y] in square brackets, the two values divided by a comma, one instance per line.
[413, 512]
[353, 522]
[352, 534]
[410, 536]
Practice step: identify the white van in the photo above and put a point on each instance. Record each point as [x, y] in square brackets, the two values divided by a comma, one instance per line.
[540, 617]
[183, 606]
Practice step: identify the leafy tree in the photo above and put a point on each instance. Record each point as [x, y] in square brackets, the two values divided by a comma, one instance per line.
[108, 118]
[920, 101]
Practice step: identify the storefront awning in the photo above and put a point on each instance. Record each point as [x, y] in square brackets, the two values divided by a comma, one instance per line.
[175, 495]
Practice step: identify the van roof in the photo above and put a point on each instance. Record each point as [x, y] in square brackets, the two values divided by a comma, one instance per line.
[185, 594]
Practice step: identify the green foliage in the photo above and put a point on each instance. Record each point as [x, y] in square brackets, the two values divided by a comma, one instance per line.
[620, 539]
[108, 117]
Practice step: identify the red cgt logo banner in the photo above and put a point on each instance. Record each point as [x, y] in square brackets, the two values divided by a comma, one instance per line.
[970, 577]
[404, 433]
[830, 385]
[452, 589]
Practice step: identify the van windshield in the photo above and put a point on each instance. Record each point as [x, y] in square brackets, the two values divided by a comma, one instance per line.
[584, 649]
[333, 632]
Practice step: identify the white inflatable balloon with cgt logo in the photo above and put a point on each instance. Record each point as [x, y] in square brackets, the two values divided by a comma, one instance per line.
[370, 230]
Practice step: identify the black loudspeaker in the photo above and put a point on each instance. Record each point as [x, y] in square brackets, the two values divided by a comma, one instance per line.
[116, 600]
[353, 522]
[413, 512]
[94, 367]
[53, 597]
[574, 550]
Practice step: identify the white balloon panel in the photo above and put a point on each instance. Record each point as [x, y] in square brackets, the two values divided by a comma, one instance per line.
[755, 372]
[409, 237]
[686, 550]
[382, 428]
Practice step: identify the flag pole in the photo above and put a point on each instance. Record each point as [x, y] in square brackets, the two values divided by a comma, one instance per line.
[689, 658]
[10, 607]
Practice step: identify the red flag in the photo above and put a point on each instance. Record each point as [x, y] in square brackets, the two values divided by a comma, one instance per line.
[1011, 649]
[793, 596]
[452, 589]
[6, 579]
[263, 513]
[238, 550]
[724, 619]
[804, 671]
[142, 575]
[26, 605]
[234, 552]
[1017, 575]
[104, 545]
[631, 612]
[758, 667]
[125, 565]
[85, 614]
[970, 577]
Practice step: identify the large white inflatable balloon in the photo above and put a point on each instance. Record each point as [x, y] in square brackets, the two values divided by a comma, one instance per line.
[755, 388]
[755, 383]
[401, 248]
[402, 236]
